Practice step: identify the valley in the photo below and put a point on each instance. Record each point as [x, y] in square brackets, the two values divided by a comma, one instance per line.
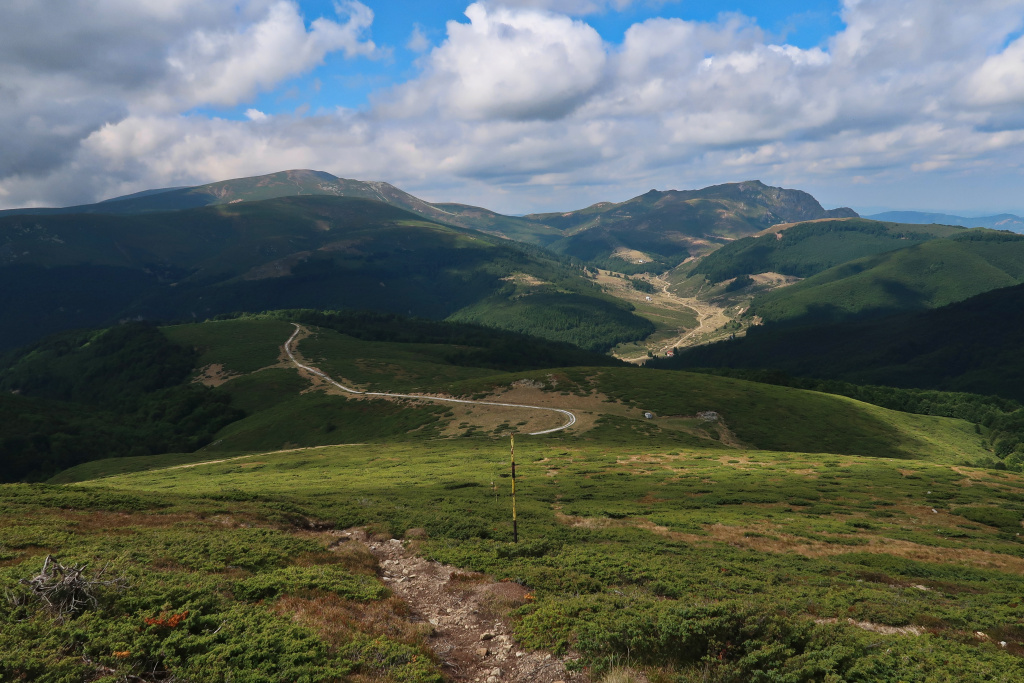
[511, 341]
[282, 446]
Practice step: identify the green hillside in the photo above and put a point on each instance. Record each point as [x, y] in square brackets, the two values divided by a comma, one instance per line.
[274, 409]
[926, 275]
[282, 413]
[973, 346]
[684, 558]
[88, 395]
[293, 252]
[666, 227]
[806, 249]
[308, 183]
[744, 531]
[127, 391]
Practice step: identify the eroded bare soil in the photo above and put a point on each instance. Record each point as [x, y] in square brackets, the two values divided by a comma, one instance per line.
[469, 629]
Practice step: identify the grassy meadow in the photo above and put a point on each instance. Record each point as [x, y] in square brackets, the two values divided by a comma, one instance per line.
[794, 536]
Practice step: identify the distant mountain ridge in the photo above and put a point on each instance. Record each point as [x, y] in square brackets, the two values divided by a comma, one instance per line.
[651, 232]
[1003, 221]
[69, 270]
[304, 182]
[668, 226]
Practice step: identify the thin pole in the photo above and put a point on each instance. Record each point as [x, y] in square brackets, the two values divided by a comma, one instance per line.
[515, 524]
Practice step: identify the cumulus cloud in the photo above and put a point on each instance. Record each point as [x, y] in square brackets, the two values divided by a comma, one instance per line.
[510, 64]
[1000, 79]
[225, 67]
[524, 103]
[67, 68]
[570, 7]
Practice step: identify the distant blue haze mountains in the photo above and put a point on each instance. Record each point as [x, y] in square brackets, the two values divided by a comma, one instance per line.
[1003, 221]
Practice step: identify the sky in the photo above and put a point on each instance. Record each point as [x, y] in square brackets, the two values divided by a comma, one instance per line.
[519, 105]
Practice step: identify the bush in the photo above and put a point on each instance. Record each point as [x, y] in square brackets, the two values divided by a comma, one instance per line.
[1000, 518]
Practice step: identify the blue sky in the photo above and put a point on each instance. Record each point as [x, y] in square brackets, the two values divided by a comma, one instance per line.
[520, 105]
[347, 83]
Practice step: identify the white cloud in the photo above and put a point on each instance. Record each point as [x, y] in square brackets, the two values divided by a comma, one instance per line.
[524, 108]
[571, 7]
[68, 68]
[509, 64]
[418, 41]
[1000, 79]
[225, 67]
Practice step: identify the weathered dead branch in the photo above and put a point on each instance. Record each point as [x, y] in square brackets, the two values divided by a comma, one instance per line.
[68, 590]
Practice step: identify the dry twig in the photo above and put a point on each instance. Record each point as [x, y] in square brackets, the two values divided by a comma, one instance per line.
[67, 590]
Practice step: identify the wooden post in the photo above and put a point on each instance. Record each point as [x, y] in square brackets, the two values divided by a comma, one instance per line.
[515, 524]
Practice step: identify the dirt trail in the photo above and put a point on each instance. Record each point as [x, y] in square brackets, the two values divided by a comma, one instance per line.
[709, 316]
[299, 330]
[470, 637]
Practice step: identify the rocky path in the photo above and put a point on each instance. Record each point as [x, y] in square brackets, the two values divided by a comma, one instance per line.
[470, 635]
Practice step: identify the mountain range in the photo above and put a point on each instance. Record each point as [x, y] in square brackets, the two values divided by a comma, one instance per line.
[1003, 221]
[658, 230]
[86, 269]
[740, 523]
[667, 224]
[309, 239]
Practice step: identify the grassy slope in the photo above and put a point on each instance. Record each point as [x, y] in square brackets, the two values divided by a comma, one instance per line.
[676, 552]
[621, 542]
[282, 415]
[813, 422]
[971, 346]
[809, 248]
[928, 275]
[667, 225]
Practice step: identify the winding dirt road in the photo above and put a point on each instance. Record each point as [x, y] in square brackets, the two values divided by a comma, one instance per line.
[709, 316]
[319, 373]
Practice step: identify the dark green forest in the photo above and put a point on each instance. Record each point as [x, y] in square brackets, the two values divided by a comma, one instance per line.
[971, 346]
[472, 345]
[126, 391]
[590, 322]
[82, 396]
